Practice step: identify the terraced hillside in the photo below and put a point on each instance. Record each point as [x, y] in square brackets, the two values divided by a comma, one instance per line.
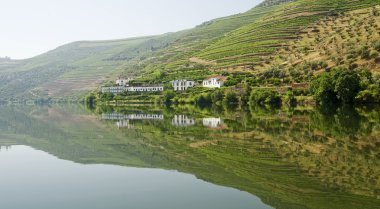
[74, 67]
[82, 66]
[351, 41]
[252, 45]
[244, 42]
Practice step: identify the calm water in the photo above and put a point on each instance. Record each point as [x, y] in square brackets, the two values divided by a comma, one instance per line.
[187, 157]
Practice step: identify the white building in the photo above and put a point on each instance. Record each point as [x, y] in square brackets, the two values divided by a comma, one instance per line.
[182, 120]
[117, 116]
[212, 122]
[214, 82]
[182, 85]
[123, 82]
[120, 89]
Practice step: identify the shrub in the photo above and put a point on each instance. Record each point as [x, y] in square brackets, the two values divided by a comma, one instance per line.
[263, 97]
[168, 96]
[347, 86]
[364, 52]
[203, 99]
[341, 85]
[217, 96]
[322, 88]
[290, 98]
[231, 98]
[90, 99]
[369, 95]
[376, 45]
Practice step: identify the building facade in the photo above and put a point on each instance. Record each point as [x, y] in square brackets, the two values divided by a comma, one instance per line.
[214, 82]
[183, 120]
[123, 82]
[212, 122]
[182, 85]
[121, 89]
[117, 116]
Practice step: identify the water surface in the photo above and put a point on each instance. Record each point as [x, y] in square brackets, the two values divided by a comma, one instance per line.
[187, 157]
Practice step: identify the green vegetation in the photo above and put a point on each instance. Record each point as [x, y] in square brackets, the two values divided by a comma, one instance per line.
[263, 97]
[272, 46]
[345, 86]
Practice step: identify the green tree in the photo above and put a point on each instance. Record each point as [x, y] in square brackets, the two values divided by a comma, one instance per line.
[168, 96]
[231, 98]
[90, 99]
[217, 97]
[262, 97]
[347, 86]
[322, 88]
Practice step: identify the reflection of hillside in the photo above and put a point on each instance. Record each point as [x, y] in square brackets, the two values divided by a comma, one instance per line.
[285, 157]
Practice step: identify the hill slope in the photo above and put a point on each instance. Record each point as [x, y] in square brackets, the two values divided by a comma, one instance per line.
[81, 66]
[253, 44]
[244, 42]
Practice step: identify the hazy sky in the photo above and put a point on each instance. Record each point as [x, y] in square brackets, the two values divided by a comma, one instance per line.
[31, 27]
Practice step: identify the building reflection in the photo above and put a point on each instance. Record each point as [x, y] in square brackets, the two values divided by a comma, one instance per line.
[183, 120]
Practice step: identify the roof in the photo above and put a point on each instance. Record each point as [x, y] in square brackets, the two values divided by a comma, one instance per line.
[223, 78]
[183, 81]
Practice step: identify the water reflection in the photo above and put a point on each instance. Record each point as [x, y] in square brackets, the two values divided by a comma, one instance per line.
[304, 157]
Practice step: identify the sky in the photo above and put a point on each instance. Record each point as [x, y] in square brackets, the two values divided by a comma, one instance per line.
[32, 27]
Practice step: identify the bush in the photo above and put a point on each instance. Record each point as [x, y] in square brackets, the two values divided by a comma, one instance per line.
[168, 96]
[322, 88]
[376, 45]
[263, 97]
[231, 98]
[106, 96]
[369, 95]
[347, 86]
[203, 99]
[341, 85]
[90, 99]
[290, 98]
[217, 97]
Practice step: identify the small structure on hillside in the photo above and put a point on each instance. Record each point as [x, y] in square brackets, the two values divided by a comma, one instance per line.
[300, 86]
[182, 85]
[214, 82]
[123, 82]
[142, 89]
[142, 116]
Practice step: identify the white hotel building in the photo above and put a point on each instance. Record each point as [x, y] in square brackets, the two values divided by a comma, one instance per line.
[121, 89]
[182, 85]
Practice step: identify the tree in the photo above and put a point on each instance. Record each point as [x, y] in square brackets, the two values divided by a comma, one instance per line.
[231, 98]
[203, 99]
[168, 96]
[323, 89]
[370, 95]
[347, 86]
[217, 96]
[262, 97]
[90, 99]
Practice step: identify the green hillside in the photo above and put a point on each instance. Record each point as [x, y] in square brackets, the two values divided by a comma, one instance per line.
[82, 66]
[245, 42]
[253, 44]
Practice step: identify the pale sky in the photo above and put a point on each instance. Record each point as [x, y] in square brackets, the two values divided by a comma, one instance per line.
[32, 27]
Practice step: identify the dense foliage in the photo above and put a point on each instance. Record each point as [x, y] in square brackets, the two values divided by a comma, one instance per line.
[345, 86]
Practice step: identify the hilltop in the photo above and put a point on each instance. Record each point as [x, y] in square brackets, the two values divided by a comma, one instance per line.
[248, 43]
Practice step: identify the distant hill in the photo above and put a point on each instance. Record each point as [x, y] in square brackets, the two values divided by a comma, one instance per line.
[245, 42]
